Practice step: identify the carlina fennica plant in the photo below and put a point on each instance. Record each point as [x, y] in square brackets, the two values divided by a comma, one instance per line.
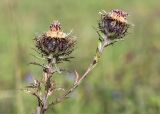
[55, 47]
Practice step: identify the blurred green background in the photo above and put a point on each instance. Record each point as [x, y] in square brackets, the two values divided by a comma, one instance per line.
[127, 80]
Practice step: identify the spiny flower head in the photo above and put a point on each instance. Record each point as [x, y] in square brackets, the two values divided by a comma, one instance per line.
[55, 43]
[114, 24]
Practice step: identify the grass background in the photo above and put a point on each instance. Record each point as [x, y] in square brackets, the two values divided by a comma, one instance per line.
[127, 80]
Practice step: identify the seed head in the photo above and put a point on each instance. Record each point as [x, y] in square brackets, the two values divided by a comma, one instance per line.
[55, 43]
[114, 24]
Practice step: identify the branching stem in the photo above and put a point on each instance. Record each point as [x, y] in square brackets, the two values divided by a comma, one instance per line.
[100, 49]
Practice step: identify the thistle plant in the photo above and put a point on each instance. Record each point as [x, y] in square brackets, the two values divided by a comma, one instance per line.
[56, 46]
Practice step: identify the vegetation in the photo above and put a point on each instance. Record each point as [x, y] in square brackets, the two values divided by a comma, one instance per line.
[125, 82]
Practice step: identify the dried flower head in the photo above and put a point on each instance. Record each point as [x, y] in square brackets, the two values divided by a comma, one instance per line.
[114, 24]
[55, 43]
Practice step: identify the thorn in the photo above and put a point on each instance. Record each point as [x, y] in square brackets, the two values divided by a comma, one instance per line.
[100, 13]
[70, 32]
[37, 57]
[104, 11]
[38, 64]
[77, 77]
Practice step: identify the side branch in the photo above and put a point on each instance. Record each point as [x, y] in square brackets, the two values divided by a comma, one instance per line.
[78, 81]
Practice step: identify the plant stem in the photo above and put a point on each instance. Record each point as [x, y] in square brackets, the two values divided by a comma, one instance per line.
[43, 103]
[47, 75]
[99, 52]
[89, 69]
